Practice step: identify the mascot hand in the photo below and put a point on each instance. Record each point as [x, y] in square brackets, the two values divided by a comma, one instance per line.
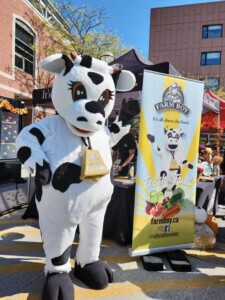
[151, 138]
[30, 158]
[43, 176]
[117, 131]
[117, 126]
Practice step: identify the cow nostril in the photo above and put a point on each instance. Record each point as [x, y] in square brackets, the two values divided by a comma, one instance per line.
[82, 119]
[99, 123]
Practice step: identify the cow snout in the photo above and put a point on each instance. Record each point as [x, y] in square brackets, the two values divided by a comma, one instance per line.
[95, 108]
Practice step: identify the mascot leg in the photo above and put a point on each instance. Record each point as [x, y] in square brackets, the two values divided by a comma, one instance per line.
[58, 236]
[88, 268]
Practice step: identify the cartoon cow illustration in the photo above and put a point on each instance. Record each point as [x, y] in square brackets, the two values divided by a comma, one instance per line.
[171, 157]
[83, 94]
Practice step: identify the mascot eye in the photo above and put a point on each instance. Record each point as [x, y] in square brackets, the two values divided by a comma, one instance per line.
[169, 135]
[177, 136]
[105, 97]
[78, 91]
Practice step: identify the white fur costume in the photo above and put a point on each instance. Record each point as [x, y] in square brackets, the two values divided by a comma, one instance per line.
[83, 95]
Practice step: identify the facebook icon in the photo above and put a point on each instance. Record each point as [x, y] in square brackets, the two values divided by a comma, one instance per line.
[167, 228]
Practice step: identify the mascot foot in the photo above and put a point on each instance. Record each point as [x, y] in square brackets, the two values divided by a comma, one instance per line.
[96, 275]
[58, 286]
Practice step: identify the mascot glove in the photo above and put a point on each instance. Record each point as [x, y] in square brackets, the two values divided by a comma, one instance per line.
[43, 174]
[37, 158]
[121, 131]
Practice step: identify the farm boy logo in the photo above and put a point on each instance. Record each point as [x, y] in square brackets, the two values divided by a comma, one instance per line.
[173, 98]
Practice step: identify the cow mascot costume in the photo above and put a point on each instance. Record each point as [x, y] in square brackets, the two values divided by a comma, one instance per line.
[68, 192]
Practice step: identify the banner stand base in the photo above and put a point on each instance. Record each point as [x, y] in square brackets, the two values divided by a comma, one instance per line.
[148, 251]
[178, 261]
[152, 263]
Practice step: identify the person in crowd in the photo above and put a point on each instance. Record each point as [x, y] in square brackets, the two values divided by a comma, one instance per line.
[126, 150]
[208, 156]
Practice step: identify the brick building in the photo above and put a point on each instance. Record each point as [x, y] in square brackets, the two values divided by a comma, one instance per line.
[20, 41]
[192, 38]
[23, 42]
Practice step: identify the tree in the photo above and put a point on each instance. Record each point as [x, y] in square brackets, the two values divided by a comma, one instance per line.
[68, 28]
[84, 30]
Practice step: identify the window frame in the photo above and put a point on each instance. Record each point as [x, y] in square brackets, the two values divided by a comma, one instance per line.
[206, 36]
[23, 50]
[47, 10]
[205, 59]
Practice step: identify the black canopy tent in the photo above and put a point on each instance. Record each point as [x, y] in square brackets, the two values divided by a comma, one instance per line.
[134, 62]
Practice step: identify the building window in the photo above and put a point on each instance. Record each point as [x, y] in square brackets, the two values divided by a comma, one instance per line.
[49, 11]
[24, 53]
[210, 58]
[212, 83]
[212, 31]
[42, 6]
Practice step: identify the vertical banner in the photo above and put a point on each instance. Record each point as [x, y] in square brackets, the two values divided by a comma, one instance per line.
[167, 164]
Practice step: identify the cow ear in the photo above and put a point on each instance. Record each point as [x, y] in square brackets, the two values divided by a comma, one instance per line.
[125, 81]
[56, 64]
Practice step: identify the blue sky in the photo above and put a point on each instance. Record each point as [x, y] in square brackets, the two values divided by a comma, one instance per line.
[131, 18]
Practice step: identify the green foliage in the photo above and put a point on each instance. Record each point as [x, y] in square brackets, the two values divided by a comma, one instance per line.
[177, 198]
[82, 30]
[67, 28]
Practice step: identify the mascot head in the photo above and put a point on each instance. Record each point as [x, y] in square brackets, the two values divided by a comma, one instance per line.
[84, 89]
